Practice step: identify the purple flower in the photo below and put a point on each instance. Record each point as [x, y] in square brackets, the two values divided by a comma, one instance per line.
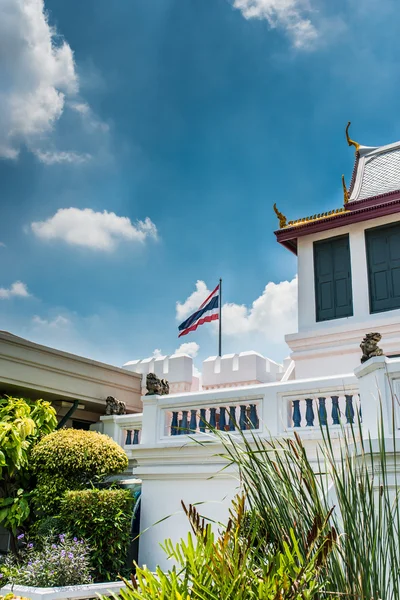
[21, 536]
[70, 555]
[29, 564]
[53, 546]
[75, 539]
[30, 545]
[1, 575]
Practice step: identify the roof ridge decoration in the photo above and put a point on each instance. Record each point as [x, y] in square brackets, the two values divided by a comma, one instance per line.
[281, 217]
[284, 223]
[346, 195]
[324, 215]
[349, 140]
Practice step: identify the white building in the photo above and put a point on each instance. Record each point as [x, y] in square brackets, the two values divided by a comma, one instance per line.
[349, 285]
[349, 268]
[229, 370]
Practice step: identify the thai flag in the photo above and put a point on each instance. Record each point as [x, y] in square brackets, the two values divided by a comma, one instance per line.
[208, 311]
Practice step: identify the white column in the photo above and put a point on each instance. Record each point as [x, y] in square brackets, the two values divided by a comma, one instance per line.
[112, 428]
[359, 275]
[150, 426]
[375, 396]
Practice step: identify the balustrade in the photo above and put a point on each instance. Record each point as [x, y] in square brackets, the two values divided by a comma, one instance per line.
[330, 410]
[132, 437]
[222, 418]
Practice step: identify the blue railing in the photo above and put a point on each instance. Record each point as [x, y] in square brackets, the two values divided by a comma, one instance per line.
[324, 410]
[223, 418]
[132, 437]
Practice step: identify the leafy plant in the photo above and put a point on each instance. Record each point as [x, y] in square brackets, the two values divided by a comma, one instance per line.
[103, 517]
[64, 561]
[287, 492]
[22, 423]
[227, 566]
[72, 459]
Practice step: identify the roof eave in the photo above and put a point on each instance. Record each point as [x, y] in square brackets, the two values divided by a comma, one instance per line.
[288, 236]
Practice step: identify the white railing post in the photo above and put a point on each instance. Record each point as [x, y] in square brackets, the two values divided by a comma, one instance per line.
[112, 428]
[375, 395]
[149, 423]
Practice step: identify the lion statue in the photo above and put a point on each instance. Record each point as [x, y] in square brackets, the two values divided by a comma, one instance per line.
[369, 346]
[156, 386]
[114, 406]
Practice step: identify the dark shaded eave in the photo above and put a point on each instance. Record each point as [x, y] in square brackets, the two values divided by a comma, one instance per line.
[288, 235]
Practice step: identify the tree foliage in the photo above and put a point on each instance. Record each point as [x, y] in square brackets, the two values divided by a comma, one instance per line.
[22, 423]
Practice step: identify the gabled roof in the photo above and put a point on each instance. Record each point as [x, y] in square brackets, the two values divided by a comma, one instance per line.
[376, 172]
[374, 191]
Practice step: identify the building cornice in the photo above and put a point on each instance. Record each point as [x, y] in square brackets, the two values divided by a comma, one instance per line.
[369, 210]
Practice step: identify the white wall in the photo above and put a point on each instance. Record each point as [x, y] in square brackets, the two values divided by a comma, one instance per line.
[239, 369]
[359, 273]
[176, 368]
[162, 496]
[332, 347]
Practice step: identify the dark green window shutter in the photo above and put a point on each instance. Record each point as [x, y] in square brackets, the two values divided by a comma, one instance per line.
[333, 293]
[383, 256]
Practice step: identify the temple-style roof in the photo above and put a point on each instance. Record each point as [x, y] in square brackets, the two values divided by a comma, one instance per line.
[374, 191]
[376, 172]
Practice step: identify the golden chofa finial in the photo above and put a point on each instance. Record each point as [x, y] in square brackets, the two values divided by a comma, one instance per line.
[345, 191]
[281, 217]
[350, 141]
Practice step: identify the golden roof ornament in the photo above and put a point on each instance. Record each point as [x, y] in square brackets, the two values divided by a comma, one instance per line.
[281, 217]
[345, 191]
[349, 140]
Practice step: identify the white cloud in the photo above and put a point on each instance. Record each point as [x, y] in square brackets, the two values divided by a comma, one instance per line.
[37, 71]
[90, 229]
[190, 348]
[54, 157]
[289, 15]
[157, 353]
[193, 302]
[89, 119]
[16, 289]
[58, 321]
[273, 314]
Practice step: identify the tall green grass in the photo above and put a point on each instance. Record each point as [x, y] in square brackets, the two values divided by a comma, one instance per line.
[356, 482]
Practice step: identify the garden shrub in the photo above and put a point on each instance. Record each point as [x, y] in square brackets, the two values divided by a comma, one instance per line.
[72, 459]
[65, 561]
[103, 518]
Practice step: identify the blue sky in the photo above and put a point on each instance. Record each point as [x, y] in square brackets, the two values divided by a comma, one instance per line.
[143, 144]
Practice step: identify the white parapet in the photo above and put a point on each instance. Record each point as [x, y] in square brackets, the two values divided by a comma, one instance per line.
[176, 368]
[245, 368]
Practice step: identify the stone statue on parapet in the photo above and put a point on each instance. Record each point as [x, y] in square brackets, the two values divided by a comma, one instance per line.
[156, 386]
[369, 346]
[114, 406]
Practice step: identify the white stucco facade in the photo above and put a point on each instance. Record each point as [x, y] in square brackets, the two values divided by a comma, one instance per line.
[331, 347]
[176, 368]
[245, 368]
[37, 371]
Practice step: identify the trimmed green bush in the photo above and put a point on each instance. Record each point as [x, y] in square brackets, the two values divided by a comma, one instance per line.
[72, 459]
[103, 518]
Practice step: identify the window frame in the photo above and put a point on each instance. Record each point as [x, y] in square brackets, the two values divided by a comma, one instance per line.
[319, 243]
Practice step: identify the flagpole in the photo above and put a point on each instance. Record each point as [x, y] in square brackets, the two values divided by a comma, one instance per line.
[220, 319]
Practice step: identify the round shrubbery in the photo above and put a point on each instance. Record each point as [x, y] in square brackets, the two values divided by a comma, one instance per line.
[72, 459]
[87, 454]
